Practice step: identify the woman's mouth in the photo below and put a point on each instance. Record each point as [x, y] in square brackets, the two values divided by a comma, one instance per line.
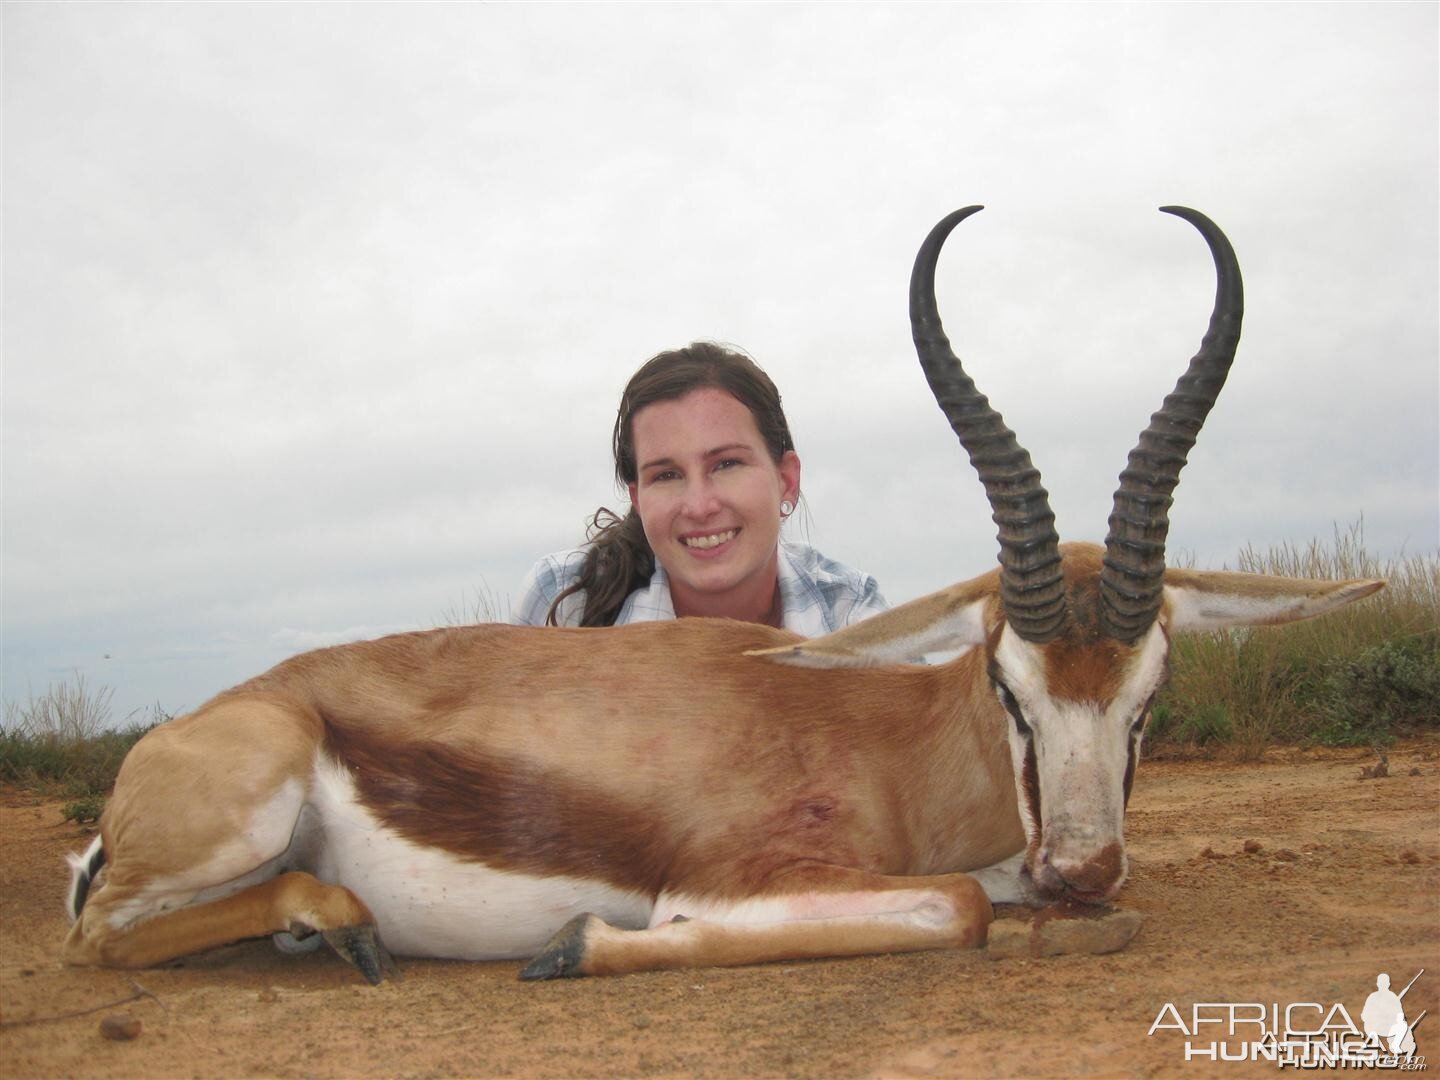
[707, 541]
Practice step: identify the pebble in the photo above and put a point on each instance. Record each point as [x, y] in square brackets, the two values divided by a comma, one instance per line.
[121, 1027]
[1057, 934]
[1252, 847]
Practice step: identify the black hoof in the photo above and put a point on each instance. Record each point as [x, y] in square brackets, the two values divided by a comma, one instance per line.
[562, 955]
[361, 947]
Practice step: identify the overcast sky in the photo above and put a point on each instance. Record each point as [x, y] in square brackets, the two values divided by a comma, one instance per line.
[316, 315]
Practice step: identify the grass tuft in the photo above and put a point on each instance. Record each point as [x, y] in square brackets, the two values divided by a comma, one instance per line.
[1358, 676]
[61, 744]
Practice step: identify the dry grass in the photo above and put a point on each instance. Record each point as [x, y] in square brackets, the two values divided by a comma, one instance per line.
[61, 743]
[1353, 677]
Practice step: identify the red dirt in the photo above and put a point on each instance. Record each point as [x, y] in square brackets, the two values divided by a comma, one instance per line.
[1345, 885]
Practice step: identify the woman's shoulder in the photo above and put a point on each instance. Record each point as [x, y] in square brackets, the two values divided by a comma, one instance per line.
[550, 576]
[825, 571]
[822, 594]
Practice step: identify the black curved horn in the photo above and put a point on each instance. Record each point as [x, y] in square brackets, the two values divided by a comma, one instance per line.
[1031, 586]
[1133, 576]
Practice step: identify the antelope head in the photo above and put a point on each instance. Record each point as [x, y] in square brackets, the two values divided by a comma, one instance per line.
[1075, 637]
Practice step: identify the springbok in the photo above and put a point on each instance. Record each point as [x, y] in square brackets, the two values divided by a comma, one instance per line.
[699, 792]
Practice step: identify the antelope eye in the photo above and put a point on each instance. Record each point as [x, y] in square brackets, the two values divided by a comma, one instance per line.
[1013, 708]
[1140, 721]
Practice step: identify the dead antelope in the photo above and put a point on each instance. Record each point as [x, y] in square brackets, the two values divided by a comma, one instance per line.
[699, 792]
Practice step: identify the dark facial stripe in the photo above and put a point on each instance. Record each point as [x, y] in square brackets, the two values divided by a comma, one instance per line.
[1136, 734]
[1030, 779]
[1130, 768]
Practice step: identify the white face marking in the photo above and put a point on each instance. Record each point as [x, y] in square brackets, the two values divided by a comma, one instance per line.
[428, 902]
[1082, 750]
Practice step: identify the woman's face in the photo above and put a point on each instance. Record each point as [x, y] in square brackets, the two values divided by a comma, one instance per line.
[709, 494]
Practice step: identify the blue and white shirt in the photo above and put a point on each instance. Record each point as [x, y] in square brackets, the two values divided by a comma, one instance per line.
[817, 595]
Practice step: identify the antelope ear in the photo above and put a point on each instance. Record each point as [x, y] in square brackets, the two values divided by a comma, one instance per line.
[952, 618]
[1213, 600]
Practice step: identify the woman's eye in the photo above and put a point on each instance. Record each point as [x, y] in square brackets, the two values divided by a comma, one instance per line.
[727, 463]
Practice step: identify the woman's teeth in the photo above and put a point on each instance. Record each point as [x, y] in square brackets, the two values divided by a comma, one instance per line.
[713, 540]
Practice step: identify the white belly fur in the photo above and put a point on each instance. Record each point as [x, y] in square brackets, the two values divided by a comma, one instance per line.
[429, 902]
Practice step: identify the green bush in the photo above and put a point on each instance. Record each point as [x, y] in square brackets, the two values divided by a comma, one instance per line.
[1389, 687]
[84, 811]
[1356, 676]
[61, 744]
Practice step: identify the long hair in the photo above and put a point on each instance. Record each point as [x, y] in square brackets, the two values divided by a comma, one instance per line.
[620, 560]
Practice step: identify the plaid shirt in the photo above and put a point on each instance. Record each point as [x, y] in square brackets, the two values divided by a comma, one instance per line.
[818, 595]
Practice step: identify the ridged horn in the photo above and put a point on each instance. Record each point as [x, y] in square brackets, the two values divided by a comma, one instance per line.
[1132, 579]
[1031, 586]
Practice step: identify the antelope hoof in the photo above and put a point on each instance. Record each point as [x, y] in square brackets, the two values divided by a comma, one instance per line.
[562, 955]
[361, 947]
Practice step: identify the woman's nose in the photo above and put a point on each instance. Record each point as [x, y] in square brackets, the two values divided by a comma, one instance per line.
[701, 499]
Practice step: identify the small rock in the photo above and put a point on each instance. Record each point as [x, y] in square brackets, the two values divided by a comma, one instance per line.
[1057, 934]
[1285, 855]
[1211, 853]
[268, 994]
[1411, 857]
[120, 1027]
[1252, 847]
[1416, 771]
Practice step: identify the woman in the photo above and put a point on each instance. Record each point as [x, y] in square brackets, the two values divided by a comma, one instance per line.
[702, 446]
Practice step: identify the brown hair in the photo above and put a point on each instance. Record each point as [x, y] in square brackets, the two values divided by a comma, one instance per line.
[620, 560]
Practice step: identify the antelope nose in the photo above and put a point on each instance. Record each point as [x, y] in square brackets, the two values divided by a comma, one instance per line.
[1091, 878]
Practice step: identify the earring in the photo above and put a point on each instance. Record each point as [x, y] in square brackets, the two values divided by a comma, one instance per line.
[787, 508]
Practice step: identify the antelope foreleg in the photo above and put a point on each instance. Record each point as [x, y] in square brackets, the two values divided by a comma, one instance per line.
[295, 903]
[805, 918]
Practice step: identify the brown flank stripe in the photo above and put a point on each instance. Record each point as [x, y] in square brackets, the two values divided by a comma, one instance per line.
[510, 815]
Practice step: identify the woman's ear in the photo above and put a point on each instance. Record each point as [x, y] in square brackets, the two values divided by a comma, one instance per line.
[789, 467]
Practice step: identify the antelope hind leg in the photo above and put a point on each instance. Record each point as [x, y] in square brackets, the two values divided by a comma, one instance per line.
[295, 903]
[207, 810]
[823, 912]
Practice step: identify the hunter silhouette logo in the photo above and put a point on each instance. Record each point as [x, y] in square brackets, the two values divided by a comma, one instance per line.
[1303, 1034]
[1384, 1017]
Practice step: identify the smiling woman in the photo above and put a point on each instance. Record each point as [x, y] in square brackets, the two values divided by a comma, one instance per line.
[702, 446]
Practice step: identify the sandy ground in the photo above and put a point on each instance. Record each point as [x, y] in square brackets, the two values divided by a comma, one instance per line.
[1345, 885]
